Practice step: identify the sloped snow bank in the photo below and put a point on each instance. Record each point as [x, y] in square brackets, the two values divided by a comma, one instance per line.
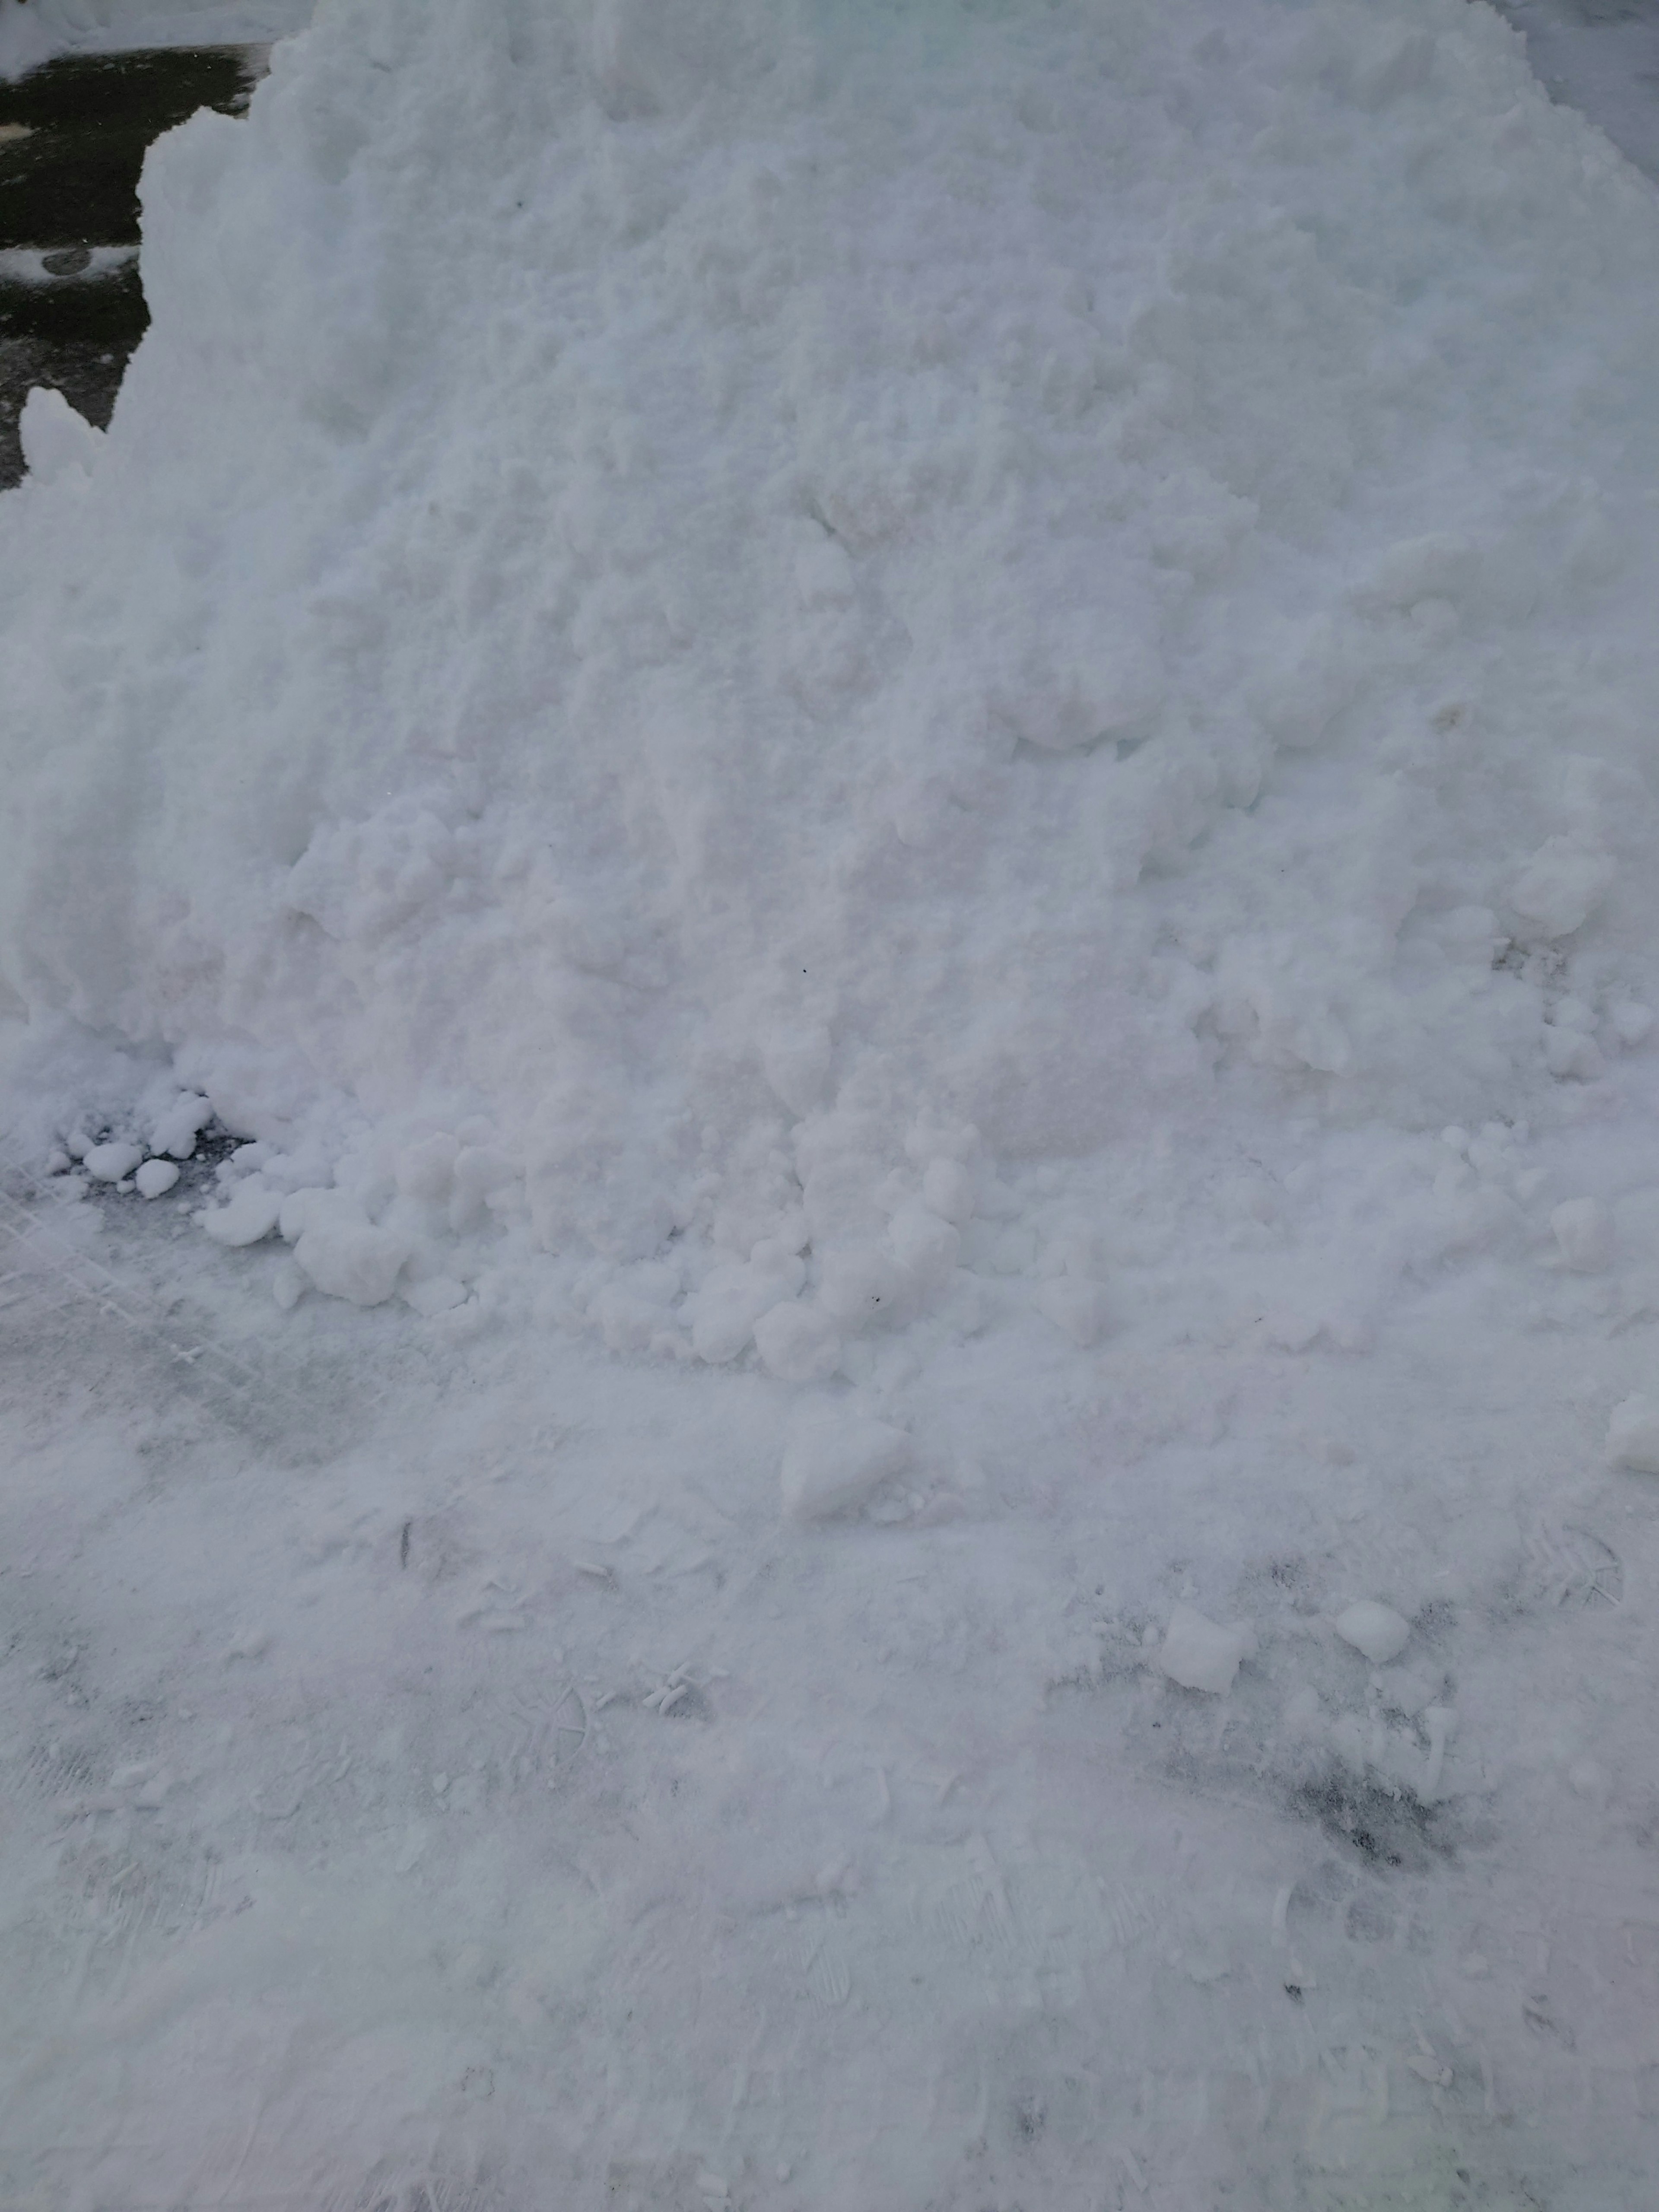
[752, 675]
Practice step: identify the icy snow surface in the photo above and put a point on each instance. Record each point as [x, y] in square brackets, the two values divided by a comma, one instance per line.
[866, 794]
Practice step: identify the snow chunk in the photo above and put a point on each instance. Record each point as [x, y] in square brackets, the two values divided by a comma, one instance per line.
[1199, 1654]
[156, 1178]
[1633, 1435]
[180, 1126]
[630, 1319]
[798, 1343]
[426, 1170]
[733, 1298]
[252, 1213]
[861, 1284]
[1559, 888]
[834, 1463]
[925, 1246]
[113, 1163]
[479, 1176]
[1569, 1052]
[340, 1248]
[1375, 1629]
[54, 439]
[1583, 1232]
[796, 1062]
[948, 1190]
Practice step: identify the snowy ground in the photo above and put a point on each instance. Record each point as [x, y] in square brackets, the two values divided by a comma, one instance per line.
[446, 1775]
[436, 1765]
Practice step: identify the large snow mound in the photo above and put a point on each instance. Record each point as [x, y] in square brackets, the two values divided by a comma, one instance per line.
[706, 635]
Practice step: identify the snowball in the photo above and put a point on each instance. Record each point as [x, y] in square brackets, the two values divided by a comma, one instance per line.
[1632, 1023]
[1375, 1629]
[54, 439]
[1633, 1435]
[1583, 1233]
[1199, 1655]
[251, 1213]
[156, 1178]
[798, 1343]
[113, 1163]
[836, 1462]
[1077, 1307]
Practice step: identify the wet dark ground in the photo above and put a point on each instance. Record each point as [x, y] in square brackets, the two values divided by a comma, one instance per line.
[73, 136]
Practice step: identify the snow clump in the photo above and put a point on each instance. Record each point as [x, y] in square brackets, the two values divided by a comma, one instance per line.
[1375, 1629]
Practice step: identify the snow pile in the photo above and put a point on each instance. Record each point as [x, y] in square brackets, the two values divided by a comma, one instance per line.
[709, 636]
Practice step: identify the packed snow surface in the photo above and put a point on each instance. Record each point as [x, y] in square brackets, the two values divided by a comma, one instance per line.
[863, 797]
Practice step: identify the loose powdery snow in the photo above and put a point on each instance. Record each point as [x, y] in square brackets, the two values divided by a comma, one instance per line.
[704, 630]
